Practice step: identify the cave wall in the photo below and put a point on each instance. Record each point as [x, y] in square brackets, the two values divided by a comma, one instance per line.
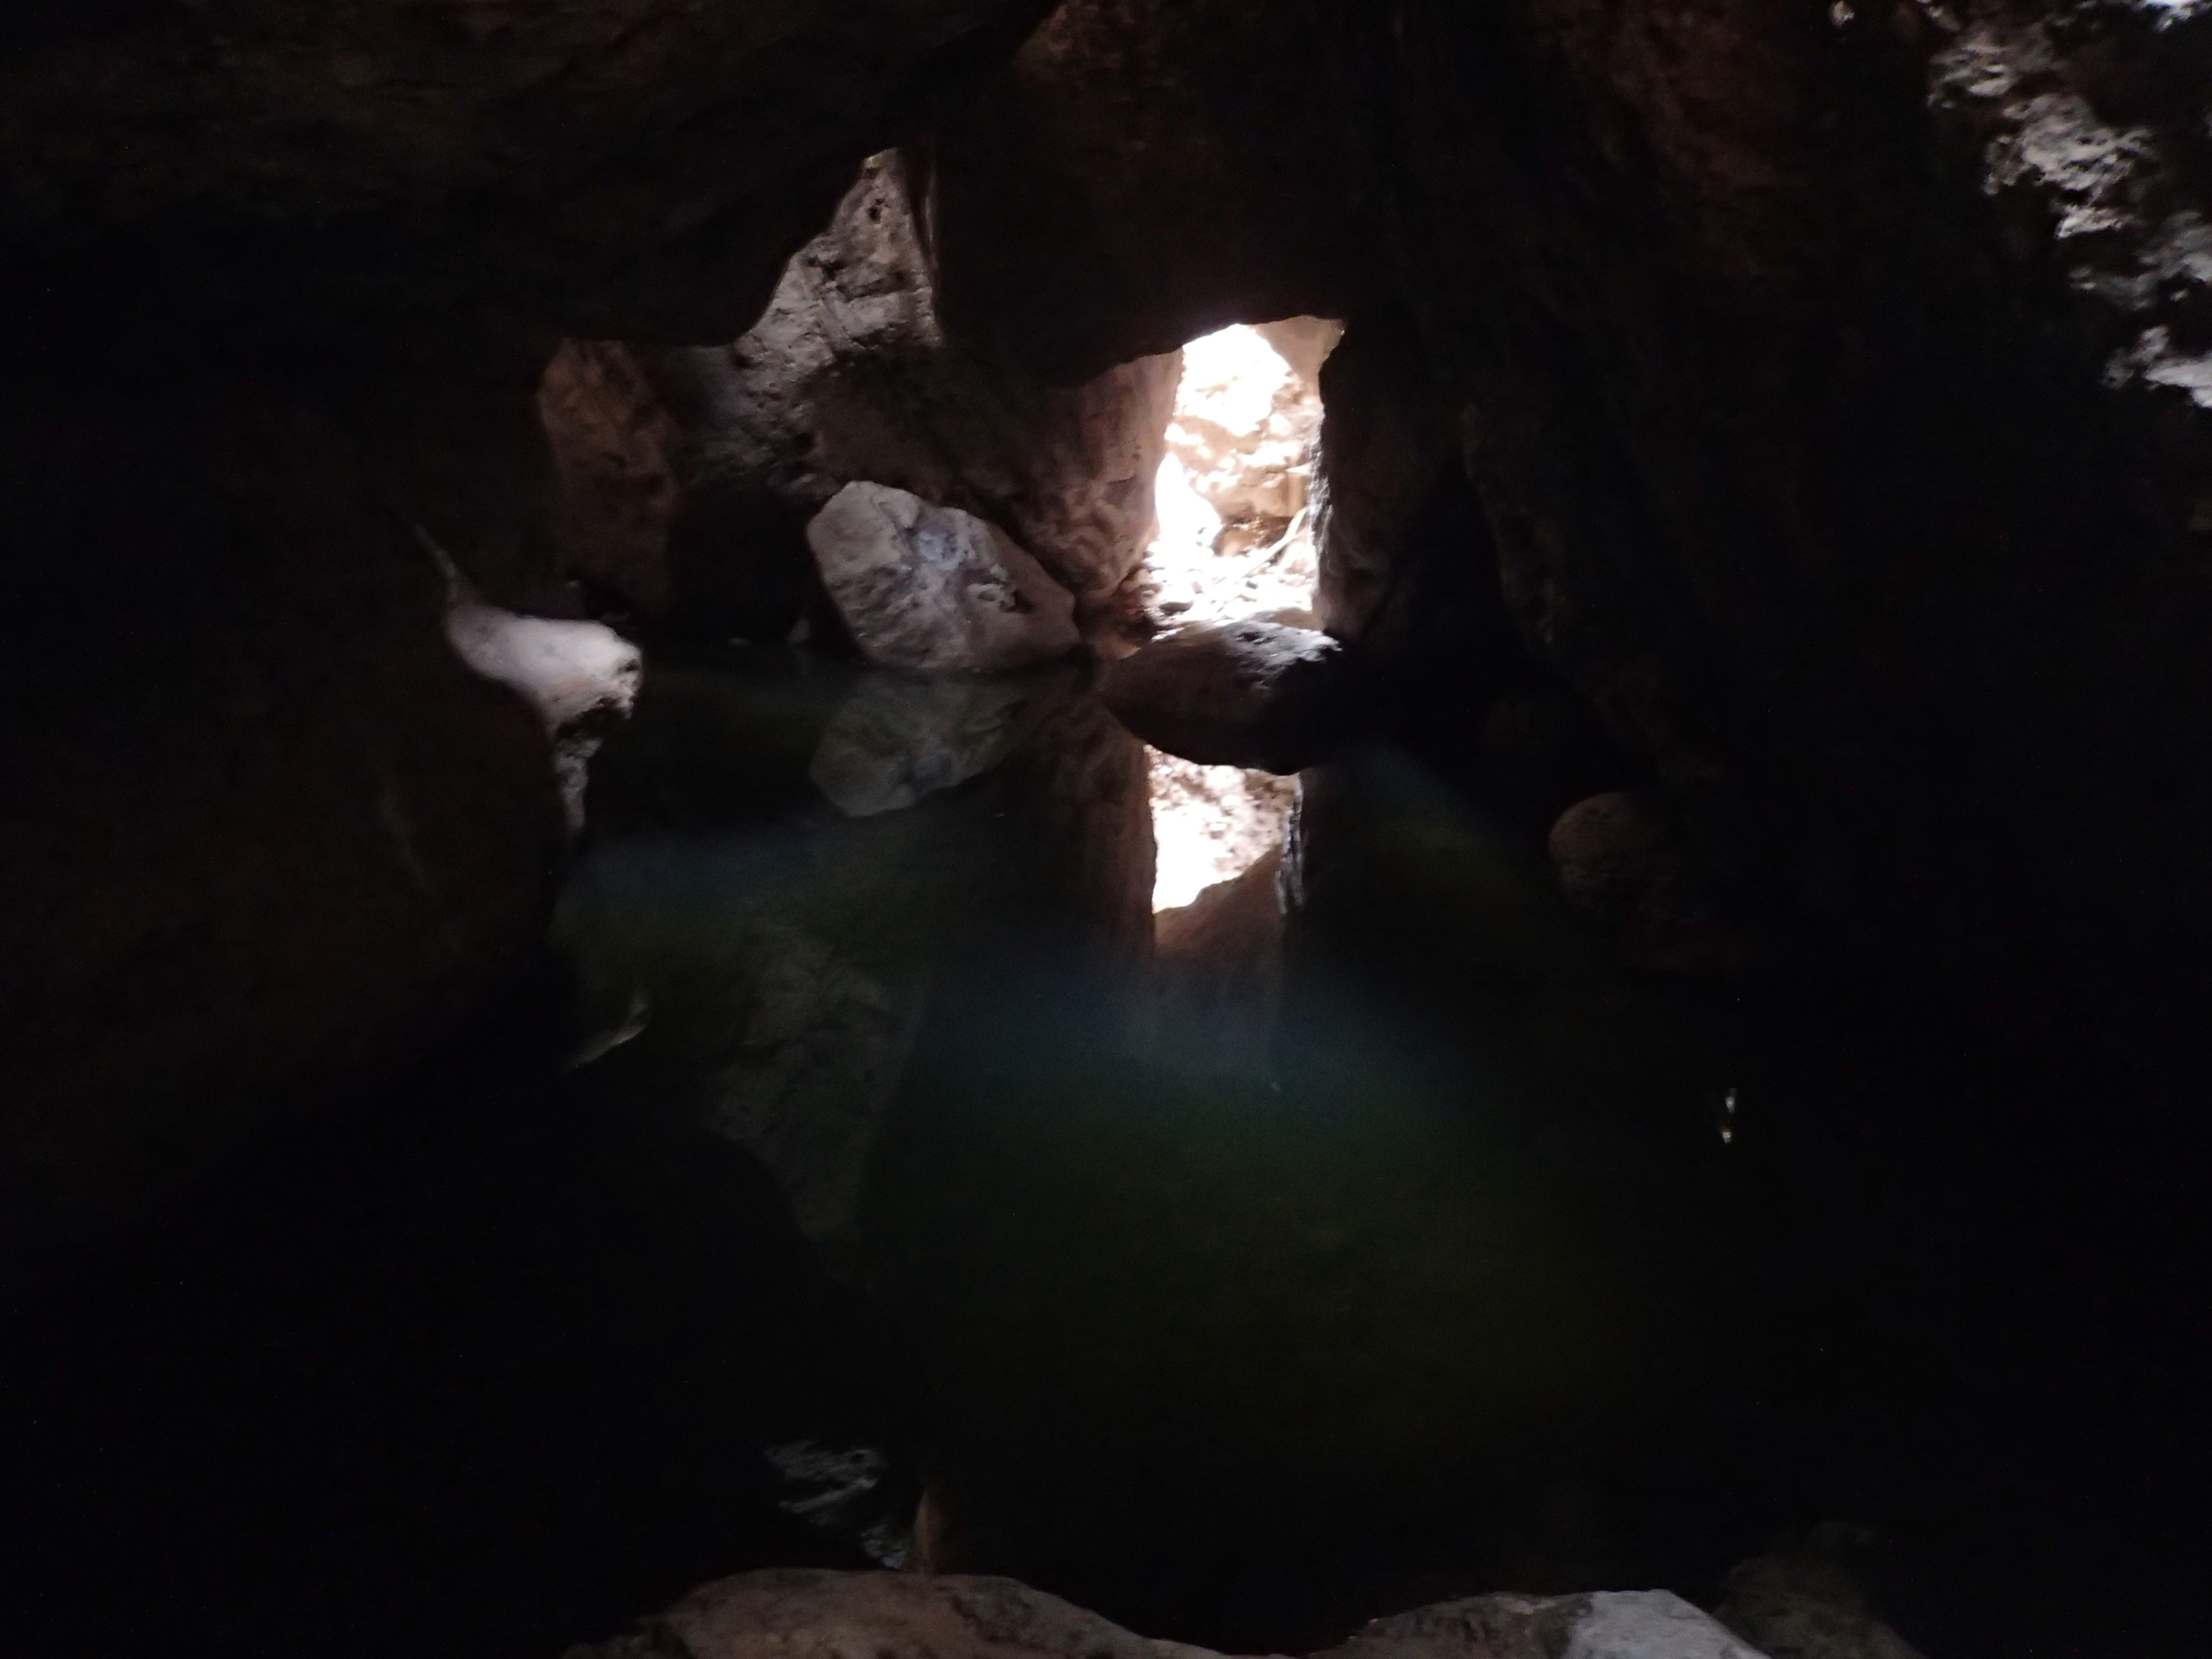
[687, 474]
[1831, 383]
[280, 284]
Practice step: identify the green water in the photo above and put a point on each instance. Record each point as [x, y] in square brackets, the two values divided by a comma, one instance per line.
[1422, 1274]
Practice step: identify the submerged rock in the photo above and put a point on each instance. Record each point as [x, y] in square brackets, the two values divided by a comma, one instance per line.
[1255, 693]
[936, 589]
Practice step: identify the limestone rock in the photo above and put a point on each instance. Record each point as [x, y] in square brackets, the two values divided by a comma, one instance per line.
[1145, 171]
[935, 589]
[581, 677]
[617, 477]
[699, 467]
[621, 168]
[1254, 694]
[775, 1615]
[784, 1614]
[1605, 1625]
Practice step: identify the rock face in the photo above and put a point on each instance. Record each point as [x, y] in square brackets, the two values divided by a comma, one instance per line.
[1824, 387]
[1253, 694]
[621, 167]
[848, 376]
[1805, 1605]
[1143, 173]
[264, 832]
[936, 589]
[892, 1615]
[769, 1614]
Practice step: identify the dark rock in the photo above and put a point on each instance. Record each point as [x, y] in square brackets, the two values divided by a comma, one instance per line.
[1145, 171]
[1805, 1604]
[620, 167]
[892, 1616]
[265, 834]
[1621, 862]
[1254, 694]
[762, 1615]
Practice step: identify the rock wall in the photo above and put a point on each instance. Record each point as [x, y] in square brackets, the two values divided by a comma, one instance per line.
[280, 287]
[264, 831]
[849, 377]
[1826, 385]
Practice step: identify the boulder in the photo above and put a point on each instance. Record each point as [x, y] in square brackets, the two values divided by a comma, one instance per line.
[582, 679]
[892, 1615]
[1621, 861]
[1255, 694]
[935, 589]
[776, 1614]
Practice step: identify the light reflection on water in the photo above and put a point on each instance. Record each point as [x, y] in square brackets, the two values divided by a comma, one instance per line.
[1435, 1244]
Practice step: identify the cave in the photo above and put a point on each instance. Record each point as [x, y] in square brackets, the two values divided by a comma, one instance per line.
[982, 829]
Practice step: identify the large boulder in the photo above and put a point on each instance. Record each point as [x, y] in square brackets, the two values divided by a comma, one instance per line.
[892, 1616]
[1256, 693]
[935, 589]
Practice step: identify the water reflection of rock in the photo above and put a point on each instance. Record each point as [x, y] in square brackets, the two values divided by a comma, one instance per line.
[899, 737]
[785, 965]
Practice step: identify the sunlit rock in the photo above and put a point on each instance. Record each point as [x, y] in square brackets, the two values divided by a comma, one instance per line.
[1234, 529]
[1252, 693]
[579, 676]
[1211, 824]
[935, 589]
[1805, 1604]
